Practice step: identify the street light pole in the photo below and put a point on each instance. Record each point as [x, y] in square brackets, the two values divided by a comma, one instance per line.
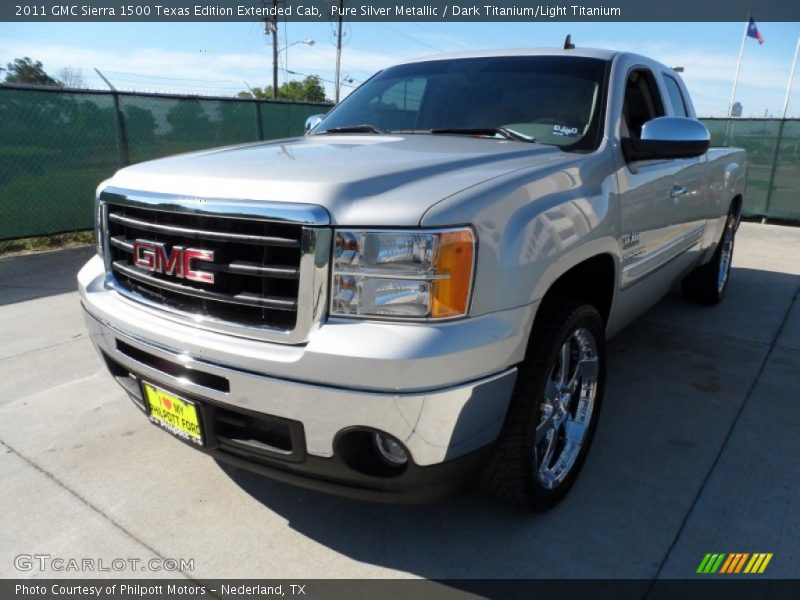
[307, 42]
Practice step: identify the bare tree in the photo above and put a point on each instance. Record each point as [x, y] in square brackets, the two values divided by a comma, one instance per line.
[71, 78]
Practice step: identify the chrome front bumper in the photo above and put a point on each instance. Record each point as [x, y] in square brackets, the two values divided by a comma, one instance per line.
[443, 390]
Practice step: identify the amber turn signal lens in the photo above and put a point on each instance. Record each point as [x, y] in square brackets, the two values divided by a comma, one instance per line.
[455, 255]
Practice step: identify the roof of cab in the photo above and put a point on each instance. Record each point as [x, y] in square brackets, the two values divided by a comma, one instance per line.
[597, 53]
[582, 52]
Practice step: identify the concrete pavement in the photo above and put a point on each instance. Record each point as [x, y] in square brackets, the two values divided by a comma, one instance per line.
[696, 452]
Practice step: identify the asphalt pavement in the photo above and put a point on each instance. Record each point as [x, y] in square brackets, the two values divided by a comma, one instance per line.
[697, 452]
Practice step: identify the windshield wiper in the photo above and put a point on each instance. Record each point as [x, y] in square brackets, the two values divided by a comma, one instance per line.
[363, 128]
[502, 131]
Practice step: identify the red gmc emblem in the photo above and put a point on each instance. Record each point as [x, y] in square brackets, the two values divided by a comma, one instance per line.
[153, 256]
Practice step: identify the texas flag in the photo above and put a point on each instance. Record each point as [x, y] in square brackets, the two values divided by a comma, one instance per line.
[752, 31]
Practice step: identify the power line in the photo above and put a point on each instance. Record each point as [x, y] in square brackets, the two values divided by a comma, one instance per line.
[221, 84]
[142, 79]
[248, 44]
[315, 53]
[161, 77]
[411, 37]
[440, 31]
[321, 78]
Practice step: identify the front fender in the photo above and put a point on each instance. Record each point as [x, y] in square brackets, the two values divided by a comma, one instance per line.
[534, 225]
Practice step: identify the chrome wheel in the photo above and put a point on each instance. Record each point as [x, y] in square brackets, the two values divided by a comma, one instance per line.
[566, 408]
[726, 254]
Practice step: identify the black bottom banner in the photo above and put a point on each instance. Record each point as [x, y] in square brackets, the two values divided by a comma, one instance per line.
[390, 589]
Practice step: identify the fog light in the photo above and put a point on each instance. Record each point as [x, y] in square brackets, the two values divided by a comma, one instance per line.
[390, 449]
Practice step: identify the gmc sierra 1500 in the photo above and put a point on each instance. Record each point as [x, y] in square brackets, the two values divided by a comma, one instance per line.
[416, 294]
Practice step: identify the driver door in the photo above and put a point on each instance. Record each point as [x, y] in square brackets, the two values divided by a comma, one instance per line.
[651, 233]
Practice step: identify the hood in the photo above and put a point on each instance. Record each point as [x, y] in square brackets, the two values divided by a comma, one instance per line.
[359, 179]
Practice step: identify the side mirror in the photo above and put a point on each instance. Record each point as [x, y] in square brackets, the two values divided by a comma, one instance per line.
[312, 122]
[667, 138]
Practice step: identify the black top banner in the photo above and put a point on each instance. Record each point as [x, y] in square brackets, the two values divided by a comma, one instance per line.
[396, 10]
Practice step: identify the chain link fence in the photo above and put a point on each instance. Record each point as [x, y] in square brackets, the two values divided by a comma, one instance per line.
[56, 146]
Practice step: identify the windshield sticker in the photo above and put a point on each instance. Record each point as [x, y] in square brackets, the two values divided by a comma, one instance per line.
[563, 130]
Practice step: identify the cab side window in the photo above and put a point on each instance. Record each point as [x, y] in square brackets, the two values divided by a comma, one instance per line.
[676, 98]
[642, 103]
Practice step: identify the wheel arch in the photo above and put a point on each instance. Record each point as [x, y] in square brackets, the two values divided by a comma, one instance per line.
[591, 276]
[591, 281]
[737, 204]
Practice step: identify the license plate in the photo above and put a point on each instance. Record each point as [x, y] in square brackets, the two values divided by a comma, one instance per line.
[176, 415]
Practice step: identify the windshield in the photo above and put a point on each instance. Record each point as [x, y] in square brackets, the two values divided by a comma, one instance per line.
[548, 99]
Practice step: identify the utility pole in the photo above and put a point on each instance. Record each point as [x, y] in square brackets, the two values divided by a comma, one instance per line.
[275, 50]
[271, 28]
[339, 50]
[344, 81]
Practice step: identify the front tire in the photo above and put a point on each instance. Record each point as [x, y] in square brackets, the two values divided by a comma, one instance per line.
[554, 408]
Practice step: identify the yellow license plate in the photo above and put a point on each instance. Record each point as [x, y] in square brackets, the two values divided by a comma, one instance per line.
[176, 415]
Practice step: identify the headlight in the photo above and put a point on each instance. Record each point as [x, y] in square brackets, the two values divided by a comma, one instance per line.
[402, 274]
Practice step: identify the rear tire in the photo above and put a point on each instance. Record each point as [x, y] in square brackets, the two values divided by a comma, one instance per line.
[554, 408]
[708, 283]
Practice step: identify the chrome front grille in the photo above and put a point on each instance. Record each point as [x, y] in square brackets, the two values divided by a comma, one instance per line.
[269, 271]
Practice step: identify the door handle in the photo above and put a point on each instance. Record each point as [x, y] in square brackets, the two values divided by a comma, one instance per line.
[677, 191]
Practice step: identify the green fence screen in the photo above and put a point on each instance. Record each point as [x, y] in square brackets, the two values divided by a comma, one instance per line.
[773, 157]
[54, 150]
[57, 146]
[158, 127]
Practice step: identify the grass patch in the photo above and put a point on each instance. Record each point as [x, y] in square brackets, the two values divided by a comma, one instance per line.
[58, 241]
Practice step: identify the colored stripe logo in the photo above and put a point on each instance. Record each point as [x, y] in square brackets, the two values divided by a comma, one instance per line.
[734, 562]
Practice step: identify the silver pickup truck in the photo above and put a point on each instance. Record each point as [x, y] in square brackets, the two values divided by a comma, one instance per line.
[416, 295]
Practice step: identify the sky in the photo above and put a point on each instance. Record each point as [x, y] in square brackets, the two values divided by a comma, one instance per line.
[224, 58]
